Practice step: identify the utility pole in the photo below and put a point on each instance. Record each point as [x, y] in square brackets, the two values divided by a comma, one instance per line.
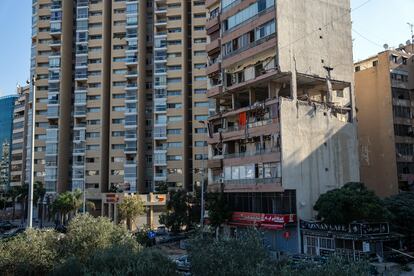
[32, 174]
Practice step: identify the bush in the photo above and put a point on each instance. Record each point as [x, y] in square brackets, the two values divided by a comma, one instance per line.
[119, 260]
[33, 252]
[87, 234]
[243, 256]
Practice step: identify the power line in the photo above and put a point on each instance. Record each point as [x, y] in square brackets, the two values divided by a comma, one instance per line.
[327, 24]
[366, 38]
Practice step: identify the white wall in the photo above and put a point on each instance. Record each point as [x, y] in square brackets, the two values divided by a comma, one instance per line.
[298, 23]
[309, 166]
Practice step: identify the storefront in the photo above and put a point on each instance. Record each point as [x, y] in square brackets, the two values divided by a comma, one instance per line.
[155, 205]
[355, 241]
[279, 230]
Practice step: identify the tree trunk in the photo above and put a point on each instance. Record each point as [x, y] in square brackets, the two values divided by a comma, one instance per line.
[128, 221]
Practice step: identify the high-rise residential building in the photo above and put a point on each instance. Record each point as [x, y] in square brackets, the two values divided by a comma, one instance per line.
[180, 87]
[119, 93]
[6, 137]
[283, 130]
[20, 132]
[384, 86]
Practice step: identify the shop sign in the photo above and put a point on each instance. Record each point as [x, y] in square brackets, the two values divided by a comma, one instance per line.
[112, 198]
[265, 219]
[370, 228]
[353, 228]
[309, 225]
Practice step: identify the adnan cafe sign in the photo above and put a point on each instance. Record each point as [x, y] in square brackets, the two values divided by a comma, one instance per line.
[266, 221]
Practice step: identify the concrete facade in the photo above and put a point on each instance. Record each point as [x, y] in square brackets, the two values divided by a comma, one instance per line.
[283, 130]
[383, 86]
[319, 152]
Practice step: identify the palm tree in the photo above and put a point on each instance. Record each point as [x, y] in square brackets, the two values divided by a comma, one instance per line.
[66, 203]
[130, 208]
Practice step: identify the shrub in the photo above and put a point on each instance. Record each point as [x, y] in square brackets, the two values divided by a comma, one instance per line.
[33, 252]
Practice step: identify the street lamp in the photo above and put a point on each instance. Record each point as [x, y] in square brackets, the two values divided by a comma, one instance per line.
[32, 174]
[203, 179]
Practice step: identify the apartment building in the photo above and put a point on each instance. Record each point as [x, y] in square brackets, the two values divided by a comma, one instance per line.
[180, 86]
[283, 128]
[384, 95]
[6, 138]
[20, 132]
[120, 88]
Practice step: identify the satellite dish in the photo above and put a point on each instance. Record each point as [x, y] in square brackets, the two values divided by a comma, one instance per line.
[386, 46]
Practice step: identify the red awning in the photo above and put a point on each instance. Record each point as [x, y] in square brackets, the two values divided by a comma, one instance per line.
[272, 226]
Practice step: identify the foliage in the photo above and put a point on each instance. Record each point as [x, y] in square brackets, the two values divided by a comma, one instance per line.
[87, 234]
[142, 236]
[130, 208]
[401, 207]
[119, 260]
[178, 211]
[352, 202]
[162, 188]
[243, 256]
[32, 253]
[247, 256]
[218, 209]
[66, 203]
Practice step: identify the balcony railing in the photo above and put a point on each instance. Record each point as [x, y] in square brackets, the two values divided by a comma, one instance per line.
[251, 153]
[253, 181]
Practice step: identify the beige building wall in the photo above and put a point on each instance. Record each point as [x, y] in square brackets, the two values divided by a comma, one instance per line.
[383, 86]
[376, 127]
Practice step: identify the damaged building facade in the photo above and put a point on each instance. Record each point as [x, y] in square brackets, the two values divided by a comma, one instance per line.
[283, 131]
[384, 96]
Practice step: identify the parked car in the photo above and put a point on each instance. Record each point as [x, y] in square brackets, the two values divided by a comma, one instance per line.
[6, 226]
[183, 263]
[11, 233]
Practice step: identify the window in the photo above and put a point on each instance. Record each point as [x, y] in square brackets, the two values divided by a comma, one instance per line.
[200, 144]
[200, 117]
[201, 157]
[174, 131]
[200, 91]
[200, 130]
[201, 104]
[175, 145]
[247, 13]
[173, 119]
[174, 158]
[174, 105]
[174, 93]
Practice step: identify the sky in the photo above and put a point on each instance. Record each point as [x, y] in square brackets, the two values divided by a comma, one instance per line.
[375, 23]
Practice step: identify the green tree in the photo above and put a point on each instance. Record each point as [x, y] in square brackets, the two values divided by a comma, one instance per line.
[67, 203]
[86, 234]
[401, 207]
[218, 209]
[130, 208]
[34, 252]
[177, 216]
[243, 256]
[352, 202]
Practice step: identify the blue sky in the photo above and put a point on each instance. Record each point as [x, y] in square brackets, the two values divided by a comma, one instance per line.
[374, 24]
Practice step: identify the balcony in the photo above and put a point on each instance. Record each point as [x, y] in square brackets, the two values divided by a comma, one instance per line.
[131, 86]
[210, 3]
[213, 68]
[215, 91]
[131, 60]
[273, 184]
[242, 54]
[265, 127]
[213, 47]
[160, 176]
[213, 24]
[130, 149]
